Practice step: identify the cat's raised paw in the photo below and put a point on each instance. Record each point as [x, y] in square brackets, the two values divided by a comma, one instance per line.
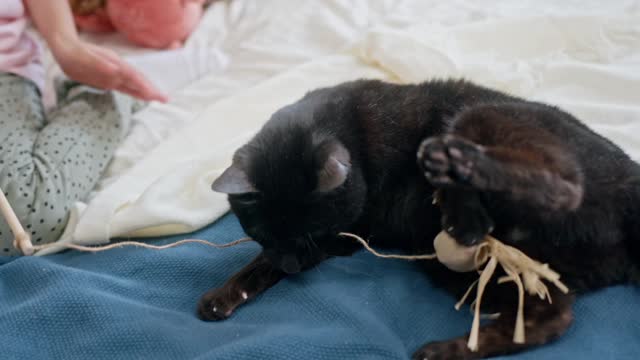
[444, 350]
[218, 304]
[448, 159]
[468, 227]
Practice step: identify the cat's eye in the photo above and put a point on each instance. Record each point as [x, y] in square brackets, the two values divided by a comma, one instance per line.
[247, 199]
[318, 234]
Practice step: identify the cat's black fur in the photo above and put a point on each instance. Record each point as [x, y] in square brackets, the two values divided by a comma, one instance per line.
[366, 157]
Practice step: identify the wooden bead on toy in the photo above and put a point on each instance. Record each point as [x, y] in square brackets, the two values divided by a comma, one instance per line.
[454, 256]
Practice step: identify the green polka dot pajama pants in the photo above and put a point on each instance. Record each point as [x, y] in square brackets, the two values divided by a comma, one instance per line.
[49, 161]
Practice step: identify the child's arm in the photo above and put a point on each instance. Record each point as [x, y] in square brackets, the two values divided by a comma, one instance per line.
[83, 62]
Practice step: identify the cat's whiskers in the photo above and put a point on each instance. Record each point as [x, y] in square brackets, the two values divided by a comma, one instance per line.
[313, 242]
[309, 243]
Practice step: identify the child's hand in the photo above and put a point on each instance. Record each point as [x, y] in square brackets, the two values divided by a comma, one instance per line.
[102, 68]
[83, 62]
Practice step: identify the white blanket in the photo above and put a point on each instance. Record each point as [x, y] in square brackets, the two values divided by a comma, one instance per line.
[581, 55]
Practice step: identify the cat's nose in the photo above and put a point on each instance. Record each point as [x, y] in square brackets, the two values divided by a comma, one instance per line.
[290, 264]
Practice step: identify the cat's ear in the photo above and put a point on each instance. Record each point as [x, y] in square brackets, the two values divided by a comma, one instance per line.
[233, 181]
[335, 166]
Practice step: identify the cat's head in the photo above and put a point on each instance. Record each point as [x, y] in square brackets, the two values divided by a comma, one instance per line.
[294, 187]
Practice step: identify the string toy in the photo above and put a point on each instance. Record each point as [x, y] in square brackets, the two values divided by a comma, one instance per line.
[526, 273]
[22, 240]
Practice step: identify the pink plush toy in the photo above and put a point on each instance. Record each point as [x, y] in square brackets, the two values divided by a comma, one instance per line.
[152, 23]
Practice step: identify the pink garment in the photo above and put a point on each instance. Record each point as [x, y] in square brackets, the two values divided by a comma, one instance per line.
[19, 52]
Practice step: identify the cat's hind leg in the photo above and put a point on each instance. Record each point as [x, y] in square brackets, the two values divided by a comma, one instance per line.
[544, 322]
[491, 149]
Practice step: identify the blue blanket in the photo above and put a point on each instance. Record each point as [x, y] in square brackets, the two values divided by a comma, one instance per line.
[134, 303]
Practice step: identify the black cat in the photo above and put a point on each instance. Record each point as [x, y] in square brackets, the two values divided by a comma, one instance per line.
[344, 159]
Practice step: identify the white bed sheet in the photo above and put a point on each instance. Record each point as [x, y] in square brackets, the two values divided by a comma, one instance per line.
[581, 55]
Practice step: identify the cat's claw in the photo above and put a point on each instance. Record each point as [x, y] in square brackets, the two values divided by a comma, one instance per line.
[448, 159]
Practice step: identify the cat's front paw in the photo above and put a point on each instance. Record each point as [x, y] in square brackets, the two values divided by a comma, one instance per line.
[448, 160]
[469, 225]
[218, 304]
[444, 350]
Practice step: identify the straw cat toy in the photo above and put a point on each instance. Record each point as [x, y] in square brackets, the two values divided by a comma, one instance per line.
[526, 273]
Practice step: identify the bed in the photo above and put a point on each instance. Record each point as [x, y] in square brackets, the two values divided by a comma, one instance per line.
[260, 55]
[140, 304]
